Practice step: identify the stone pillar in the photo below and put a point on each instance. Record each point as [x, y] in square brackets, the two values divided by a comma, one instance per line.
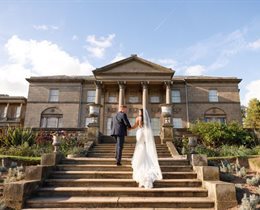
[6, 110]
[145, 94]
[19, 113]
[121, 93]
[168, 85]
[98, 92]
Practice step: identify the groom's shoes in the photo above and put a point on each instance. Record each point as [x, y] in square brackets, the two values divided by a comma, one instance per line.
[118, 164]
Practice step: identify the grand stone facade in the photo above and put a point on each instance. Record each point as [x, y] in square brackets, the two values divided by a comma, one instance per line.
[63, 101]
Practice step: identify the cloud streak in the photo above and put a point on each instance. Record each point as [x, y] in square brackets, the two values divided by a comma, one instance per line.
[45, 27]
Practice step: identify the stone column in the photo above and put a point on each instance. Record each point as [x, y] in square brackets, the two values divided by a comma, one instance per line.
[168, 85]
[98, 92]
[121, 100]
[6, 111]
[19, 114]
[145, 94]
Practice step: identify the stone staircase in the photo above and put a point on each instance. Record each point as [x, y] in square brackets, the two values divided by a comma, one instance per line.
[95, 182]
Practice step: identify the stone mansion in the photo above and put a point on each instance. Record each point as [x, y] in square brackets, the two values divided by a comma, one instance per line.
[64, 101]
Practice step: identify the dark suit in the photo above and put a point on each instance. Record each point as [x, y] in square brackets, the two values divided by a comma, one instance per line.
[120, 123]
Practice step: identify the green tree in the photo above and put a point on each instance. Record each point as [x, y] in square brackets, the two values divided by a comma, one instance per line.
[252, 119]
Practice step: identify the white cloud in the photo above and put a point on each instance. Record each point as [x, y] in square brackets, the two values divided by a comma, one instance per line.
[252, 91]
[254, 45]
[75, 37]
[195, 70]
[36, 58]
[45, 27]
[97, 46]
[118, 57]
[168, 62]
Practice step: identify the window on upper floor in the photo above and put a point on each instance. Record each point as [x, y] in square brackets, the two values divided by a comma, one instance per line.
[177, 122]
[176, 96]
[54, 95]
[91, 95]
[213, 96]
[112, 97]
[154, 99]
[133, 99]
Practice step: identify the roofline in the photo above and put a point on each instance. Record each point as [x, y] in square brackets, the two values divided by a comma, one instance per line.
[66, 80]
[216, 79]
[97, 70]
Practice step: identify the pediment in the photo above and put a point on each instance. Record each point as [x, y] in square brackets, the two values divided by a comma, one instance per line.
[132, 67]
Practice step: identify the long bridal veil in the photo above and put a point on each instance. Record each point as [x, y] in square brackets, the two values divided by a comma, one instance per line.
[145, 163]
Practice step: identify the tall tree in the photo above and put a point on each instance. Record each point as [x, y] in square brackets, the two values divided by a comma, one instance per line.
[252, 119]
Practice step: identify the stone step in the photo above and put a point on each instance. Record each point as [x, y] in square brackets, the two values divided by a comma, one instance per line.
[125, 161]
[129, 146]
[100, 167]
[126, 155]
[117, 174]
[122, 192]
[124, 149]
[118, 208]
[120, 202]
[120, 183]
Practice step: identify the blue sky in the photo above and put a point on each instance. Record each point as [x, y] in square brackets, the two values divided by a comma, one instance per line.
[216, 38]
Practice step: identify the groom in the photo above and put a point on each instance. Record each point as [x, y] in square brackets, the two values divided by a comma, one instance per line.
[120, 123]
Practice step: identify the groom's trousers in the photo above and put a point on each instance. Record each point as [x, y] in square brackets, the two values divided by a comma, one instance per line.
[119, 147]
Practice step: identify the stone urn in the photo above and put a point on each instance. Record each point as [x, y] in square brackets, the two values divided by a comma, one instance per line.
[56, 143]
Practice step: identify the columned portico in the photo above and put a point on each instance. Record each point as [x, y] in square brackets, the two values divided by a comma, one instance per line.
[121, 100]
[145, 94]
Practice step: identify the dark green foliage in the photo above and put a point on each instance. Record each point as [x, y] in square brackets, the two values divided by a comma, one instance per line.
[17, 136]
[210, 152]
[213, 134]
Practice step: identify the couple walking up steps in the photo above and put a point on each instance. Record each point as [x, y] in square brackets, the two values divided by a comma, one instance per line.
[145, 162]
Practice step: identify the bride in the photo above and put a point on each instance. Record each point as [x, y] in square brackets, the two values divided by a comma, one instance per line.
[145, 164]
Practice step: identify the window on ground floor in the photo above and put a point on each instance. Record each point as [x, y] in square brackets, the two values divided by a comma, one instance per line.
[156, 127]
[51, 118]
[109, 125]
[177, 122]
[215, 114]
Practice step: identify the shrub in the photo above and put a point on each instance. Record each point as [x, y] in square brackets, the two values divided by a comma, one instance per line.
[226, 150]
[25, 150]
[210, 152]
[17, 136]
[213, 134]
[76, 151]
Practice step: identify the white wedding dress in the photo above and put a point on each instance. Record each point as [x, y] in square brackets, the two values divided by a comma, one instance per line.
[145, 163]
